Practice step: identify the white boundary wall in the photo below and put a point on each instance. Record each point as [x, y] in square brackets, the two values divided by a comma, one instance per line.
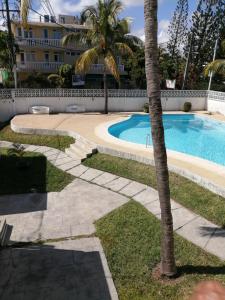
[216, 102]
[13, 102]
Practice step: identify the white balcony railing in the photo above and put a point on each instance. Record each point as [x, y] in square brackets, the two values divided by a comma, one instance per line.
[46, 43]
[51, 66]
[43, 66]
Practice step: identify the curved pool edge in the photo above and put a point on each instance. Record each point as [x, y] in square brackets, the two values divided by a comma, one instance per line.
[85, 125]
[205, 173]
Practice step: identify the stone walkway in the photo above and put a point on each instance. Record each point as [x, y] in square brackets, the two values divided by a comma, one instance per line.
[71, 214]
[113, 191]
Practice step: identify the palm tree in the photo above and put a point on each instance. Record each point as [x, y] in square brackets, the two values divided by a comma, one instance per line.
[217, 66]
[168, 267]
[107, 37]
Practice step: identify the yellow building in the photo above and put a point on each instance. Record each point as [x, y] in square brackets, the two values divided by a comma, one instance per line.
[41, 49]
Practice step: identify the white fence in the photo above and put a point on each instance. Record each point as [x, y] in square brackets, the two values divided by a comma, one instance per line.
[19, 101]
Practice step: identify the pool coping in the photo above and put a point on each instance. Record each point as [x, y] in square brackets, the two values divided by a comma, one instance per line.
[182, 164]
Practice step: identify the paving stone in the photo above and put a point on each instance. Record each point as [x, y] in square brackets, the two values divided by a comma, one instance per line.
[82, 229]
[42, 149]
[181, 216]
[69, 165]
[194, 231]
[104, 178]
[72, 269]
[216, 243]
[146, 196]
[52, 152]
[118, 184]
[61, 161]
[78, 171]
[90, 174]
[32, 148]
[133, 188]
[154, 208]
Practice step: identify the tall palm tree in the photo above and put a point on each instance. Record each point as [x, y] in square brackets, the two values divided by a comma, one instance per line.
[168, 267]
[107, 37]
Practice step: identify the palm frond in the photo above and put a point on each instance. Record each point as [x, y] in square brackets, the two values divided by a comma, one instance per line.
[223, 45]
[86, 59]
[112, 65]
[24, 10]
[75, 37]
[124, 49]
[217, 66]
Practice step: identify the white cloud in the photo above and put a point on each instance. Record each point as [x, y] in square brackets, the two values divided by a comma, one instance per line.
[162, 32]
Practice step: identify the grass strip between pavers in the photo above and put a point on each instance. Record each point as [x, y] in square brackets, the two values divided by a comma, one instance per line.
[184, 191]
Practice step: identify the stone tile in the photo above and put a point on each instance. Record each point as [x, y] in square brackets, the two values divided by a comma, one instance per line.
[78, 171]
[61, 161]
[91, 174]
[82, 229]
[72, 269]
[42, 149]
[194, 231]
[52, 152]
[118, 184]
[105, 178]
[32, 148]
[69, 165]
[154, 208]
[146, 196]
[216, 243]
[133, 188]
[181, 216]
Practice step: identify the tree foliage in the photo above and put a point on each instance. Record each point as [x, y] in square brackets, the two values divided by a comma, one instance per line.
[178, 28]
[63, 78]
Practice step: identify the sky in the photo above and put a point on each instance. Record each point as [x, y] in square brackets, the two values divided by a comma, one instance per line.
[132, 8]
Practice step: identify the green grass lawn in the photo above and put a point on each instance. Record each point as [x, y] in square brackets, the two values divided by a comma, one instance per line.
[130, 237]
[40, 175]
[184, 191]
[58, 142]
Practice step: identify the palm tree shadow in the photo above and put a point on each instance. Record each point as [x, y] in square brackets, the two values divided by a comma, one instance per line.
[212, 231]
[200, 270]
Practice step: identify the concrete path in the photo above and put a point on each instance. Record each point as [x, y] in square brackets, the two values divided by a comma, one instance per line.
[107, 192]
[74, 269]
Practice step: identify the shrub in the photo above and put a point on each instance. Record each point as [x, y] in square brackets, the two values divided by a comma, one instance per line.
[146, 108]
[187, 106]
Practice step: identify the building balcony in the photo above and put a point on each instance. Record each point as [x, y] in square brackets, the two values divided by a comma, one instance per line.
[46, 43]
[53, 66]
[39, 66]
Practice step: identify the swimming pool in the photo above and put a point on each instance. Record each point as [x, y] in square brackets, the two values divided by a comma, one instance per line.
[186, 133]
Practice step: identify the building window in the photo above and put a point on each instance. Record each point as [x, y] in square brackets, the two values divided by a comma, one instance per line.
[19, 31]
[62, 20]
[22, 60]
[45, 33]
[57, 34]
[46, 57]
[28, 33]
[56, 57]
[72, 53]
[30, 56]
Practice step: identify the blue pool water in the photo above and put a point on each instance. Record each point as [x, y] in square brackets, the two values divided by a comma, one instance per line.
[191, 134]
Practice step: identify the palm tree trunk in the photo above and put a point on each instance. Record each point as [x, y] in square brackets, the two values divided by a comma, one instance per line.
[105, 91]
[168, 266]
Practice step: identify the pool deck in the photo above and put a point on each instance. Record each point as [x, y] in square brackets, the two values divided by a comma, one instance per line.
[93, 126]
